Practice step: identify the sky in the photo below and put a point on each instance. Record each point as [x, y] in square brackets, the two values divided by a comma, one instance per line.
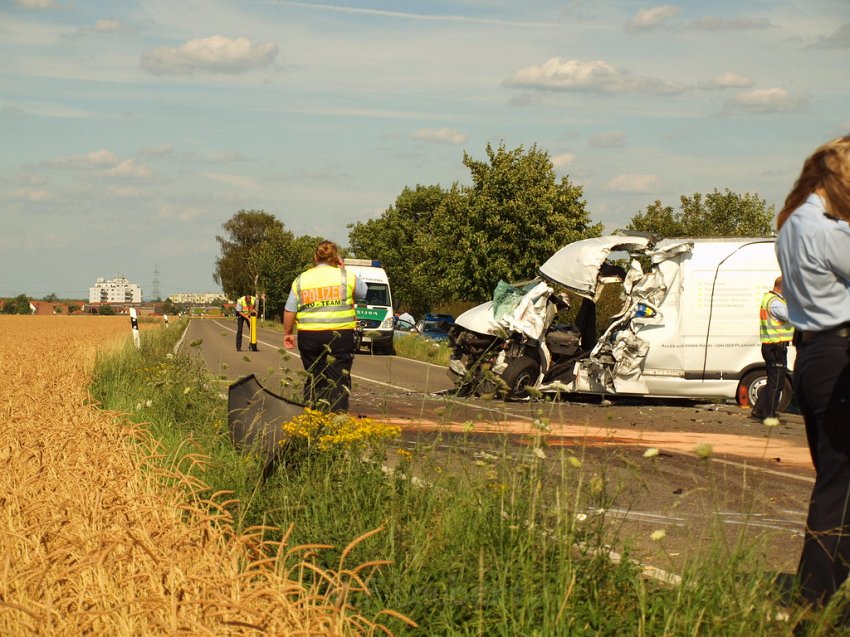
[131, 131]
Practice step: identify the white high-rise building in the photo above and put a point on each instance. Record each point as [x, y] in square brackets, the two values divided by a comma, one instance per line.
[200, 298]
[117, 290]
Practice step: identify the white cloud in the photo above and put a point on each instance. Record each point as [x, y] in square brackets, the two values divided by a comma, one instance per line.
[223, 157]
[36, 4]
[31, 195]
[610, 139]
[440, 135]
[727, 80]
[216, 54]
[110, 26]
[653, 18]
[838, 40]
[96, 159]
[559, 161]
[239, 181]
[596, 76]
[184, 213]
[766, 100]
[126, 192]
[157, 151]
[634, 183]
[128, 168]
[713, 23]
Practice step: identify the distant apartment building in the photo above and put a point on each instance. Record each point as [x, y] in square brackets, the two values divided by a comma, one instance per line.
[197, 298]
[117, 290]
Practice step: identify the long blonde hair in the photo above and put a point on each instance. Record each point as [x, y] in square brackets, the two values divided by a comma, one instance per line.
[827, 169]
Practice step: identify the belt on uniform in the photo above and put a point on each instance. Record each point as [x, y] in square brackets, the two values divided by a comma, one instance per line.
[842, 331]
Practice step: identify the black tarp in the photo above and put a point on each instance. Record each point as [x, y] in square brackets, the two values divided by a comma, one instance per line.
[255, 416]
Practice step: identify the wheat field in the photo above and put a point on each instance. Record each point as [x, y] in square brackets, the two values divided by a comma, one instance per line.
[92, 542]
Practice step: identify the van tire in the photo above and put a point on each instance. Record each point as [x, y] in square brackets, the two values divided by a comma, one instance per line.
[520, 374]
[753, 382]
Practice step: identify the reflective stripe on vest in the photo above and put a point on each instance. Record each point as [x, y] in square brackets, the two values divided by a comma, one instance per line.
[772, 330]
[325, 299]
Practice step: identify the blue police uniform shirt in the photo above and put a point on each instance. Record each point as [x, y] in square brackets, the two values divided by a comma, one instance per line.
[814, 255]
[360, 290]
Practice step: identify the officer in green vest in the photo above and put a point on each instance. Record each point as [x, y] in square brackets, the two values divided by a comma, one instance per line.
[776, 333]
[321, 305]
[246, 306]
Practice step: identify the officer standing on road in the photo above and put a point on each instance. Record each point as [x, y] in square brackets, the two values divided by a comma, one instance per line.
[321, 304]
[814, 253]
[246, 306]
[775, 332]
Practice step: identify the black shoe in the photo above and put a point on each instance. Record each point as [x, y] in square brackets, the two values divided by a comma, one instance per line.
[238, 349]
[756, 416]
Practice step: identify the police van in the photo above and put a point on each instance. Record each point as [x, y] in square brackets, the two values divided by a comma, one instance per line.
[375, 313]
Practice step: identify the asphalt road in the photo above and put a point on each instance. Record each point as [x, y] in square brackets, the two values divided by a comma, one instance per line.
[756, 481]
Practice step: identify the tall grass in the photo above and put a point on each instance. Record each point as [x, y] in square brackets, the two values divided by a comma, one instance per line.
[511, 541]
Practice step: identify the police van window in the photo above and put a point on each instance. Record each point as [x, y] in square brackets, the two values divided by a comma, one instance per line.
[377, 294]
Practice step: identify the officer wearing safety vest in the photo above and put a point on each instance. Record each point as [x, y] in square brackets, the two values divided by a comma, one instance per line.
[321, 305]
[776, 333]
[245, 307]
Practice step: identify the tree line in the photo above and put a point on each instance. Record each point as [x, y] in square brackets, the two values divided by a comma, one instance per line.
[444, 245]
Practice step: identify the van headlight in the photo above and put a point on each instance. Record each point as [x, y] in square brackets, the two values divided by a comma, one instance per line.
[387, 323]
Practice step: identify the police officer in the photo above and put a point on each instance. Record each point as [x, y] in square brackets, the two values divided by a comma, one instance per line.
[813, 248]
[775, 332]
[246, 307]
[321, 304]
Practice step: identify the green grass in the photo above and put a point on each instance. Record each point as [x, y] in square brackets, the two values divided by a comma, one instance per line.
[422, 349]
[496, 544]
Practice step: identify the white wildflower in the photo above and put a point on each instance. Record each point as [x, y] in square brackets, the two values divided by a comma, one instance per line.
[538, 451]
[650, 453]
[660, 534]
[771, 422]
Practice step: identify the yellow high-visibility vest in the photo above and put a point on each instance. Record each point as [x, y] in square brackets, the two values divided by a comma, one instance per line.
[245, 302]
[770, 329]
[325, 299]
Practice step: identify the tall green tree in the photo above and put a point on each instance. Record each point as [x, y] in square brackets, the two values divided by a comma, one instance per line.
[279, 259]
[726, 214]
[237, 270]
[512, 218]
[396, 239]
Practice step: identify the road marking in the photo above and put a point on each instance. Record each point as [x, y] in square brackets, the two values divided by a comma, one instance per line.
[504, 411]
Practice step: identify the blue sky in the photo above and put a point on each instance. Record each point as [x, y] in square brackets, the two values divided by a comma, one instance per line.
[130, 131]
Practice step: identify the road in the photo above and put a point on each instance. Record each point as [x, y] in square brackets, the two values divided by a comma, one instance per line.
[757, 479]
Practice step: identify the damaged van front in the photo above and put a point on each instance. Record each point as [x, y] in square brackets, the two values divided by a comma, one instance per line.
[687, 327]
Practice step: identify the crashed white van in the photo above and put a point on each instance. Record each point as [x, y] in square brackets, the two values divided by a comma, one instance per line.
[688, 327]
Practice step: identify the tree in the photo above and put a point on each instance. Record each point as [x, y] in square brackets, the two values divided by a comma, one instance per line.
[18, 305]
[713, 215]
[396, 239]
[51, 298]
[106, 310]
[237, 269]
[513, 217]
[279, 259]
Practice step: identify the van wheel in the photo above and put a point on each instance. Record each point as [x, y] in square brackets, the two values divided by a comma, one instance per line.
[753, 383]
[520, 374]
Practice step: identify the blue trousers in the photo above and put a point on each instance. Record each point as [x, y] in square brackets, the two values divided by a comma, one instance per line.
[822, 390]
[327, 356]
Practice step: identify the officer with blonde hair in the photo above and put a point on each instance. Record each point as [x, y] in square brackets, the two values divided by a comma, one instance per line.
[321, 306]
[813, 248]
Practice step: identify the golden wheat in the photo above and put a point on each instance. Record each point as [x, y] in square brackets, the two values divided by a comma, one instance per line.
[93, 543]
